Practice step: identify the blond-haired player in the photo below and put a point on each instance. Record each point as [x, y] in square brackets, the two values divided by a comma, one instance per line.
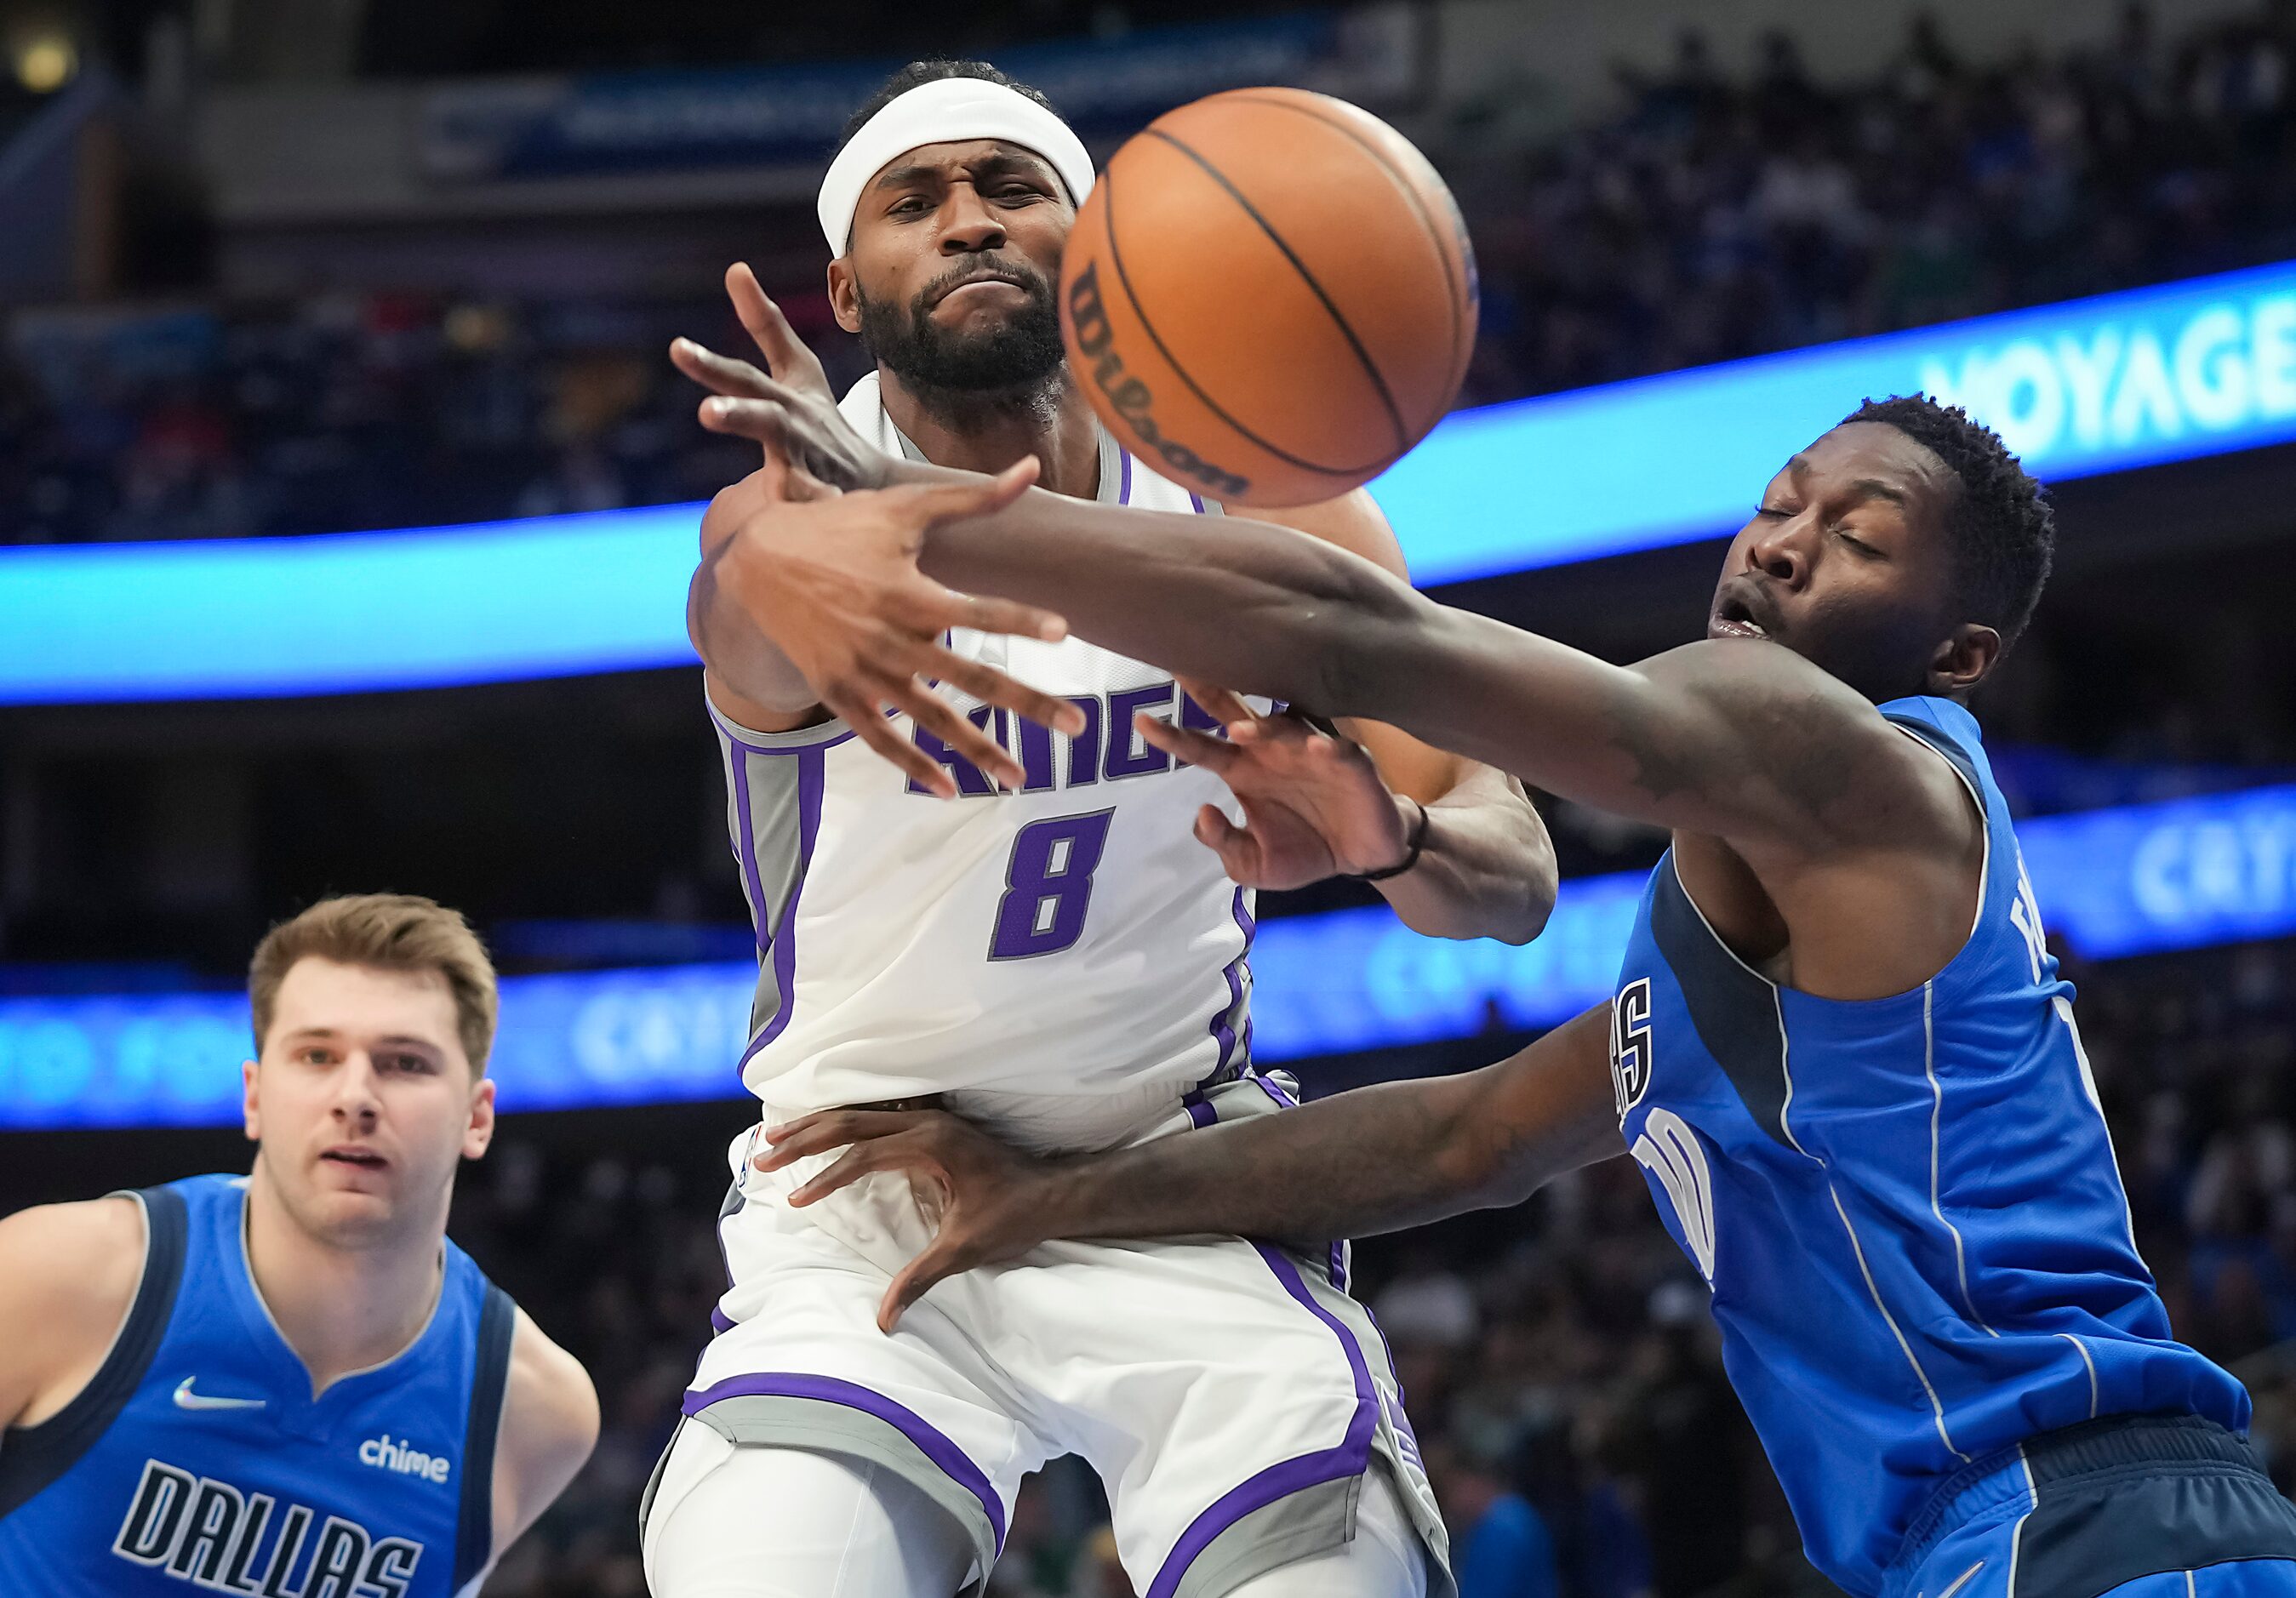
[290, 1382]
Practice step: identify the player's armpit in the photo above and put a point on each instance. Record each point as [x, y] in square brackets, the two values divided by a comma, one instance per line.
[549, 1425]
[68, 1278]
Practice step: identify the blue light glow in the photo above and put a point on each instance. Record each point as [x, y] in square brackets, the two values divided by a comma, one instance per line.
[2189, 369]
[2098, 385]
[2130, 880]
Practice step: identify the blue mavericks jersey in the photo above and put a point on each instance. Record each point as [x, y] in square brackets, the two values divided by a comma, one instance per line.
[197, 1458]
[1907, 1207]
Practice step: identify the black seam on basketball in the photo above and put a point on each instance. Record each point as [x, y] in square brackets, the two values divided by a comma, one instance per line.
[1370, 367]
[1106, 189]
[1437, 232]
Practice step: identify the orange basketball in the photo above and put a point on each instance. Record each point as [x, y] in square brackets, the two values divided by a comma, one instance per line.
[1269, 296]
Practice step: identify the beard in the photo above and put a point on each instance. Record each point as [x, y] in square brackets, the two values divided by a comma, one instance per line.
[963, 378]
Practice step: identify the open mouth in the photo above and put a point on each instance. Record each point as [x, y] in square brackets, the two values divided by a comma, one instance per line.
[1733, 617]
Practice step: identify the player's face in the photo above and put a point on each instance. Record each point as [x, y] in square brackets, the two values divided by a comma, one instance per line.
[1848, 563]
[952, 269]
[364, 1102]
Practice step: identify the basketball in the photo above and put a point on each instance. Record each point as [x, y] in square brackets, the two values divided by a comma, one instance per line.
[1269, 296]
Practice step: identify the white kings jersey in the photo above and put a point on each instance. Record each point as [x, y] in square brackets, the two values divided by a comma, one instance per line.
[1064, 963]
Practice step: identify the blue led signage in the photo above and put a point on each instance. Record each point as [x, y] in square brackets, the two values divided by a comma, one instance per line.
[2185, 370]
[2130, 880]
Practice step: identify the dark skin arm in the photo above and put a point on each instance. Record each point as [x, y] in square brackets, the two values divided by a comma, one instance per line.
[1316, 805]
[1376, 1159]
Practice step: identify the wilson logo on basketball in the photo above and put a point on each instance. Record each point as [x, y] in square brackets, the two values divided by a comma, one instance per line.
[1095, 340]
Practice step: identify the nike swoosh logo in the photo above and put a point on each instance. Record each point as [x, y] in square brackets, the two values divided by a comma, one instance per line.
[1963, 1580]
[187, 1399]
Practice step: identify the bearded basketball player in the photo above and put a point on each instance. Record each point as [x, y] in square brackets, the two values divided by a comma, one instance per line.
[1015, 923]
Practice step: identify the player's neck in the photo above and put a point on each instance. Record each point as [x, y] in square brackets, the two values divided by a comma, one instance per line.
[1057, 428]
[341, 1310]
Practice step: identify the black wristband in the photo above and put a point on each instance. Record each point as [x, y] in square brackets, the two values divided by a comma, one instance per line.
[1417, 841]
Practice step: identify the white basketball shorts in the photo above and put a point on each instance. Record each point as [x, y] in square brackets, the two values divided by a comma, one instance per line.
[1230, 1394]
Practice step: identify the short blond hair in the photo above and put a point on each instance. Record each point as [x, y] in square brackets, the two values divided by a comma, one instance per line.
[391, 932]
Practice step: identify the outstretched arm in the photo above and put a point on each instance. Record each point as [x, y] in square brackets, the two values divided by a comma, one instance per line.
[1739, 739]
[1374, 1160]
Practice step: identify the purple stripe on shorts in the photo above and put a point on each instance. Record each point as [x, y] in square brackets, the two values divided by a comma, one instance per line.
[935, 1446]
[1197, 500]
[1352, 1457]
[720, 1322]
[811, 779]
[1124, 478]
[1336, 1267]
[1275, 1092]
[1200, 1112]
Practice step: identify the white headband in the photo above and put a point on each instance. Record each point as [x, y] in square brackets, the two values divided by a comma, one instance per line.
[941, 113]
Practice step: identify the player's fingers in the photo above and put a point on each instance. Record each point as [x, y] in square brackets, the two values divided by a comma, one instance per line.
[763, 416]
[863, 1158]
[1186, 744]
[992, 686]
[983, 614]
[866, 716]
[718, 373]
[792, 360]
[926, 606]
[1218, 702]
[937, 717]
[940, 1259]
[827, 1130]
[1237, 849]
[925, 504]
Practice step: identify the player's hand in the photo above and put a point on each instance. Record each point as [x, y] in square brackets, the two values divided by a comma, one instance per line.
[987, 1200]
[1314, 804]
[790, 407]
[834, 582]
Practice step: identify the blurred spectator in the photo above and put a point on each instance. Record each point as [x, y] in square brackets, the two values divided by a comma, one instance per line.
[1705, 220]
[1500, 1546]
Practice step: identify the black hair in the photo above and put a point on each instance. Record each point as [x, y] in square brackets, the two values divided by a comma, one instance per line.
[920, 73]
[2004, 533]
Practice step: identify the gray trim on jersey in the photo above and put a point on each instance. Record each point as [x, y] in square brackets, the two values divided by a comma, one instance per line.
[775, 848]
[818, 735]
[822, 1427]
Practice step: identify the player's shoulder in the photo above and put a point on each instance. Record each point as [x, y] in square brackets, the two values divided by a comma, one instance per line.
[72, 1272]
[88, 1252]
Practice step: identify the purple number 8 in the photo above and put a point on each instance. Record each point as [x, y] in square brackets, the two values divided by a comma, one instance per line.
[1048, 885]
